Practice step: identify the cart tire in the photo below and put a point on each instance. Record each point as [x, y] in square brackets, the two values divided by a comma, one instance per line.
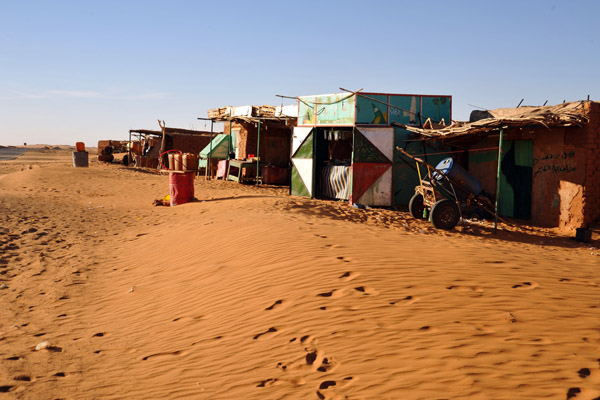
[445, 214]
[416, 207]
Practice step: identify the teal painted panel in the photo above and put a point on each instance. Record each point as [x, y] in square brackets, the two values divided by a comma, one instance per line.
[333, 109]
[407, 111]
[220, 147]
[524, 153]
[371, 112]
[436, 108]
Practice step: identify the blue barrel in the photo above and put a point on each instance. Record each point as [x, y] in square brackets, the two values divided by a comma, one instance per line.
[458, 174]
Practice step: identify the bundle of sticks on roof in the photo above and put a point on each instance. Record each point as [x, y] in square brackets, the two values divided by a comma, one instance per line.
[567, 114]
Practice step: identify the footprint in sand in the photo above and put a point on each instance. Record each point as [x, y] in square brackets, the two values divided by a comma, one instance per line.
[165, 354]
[275, 381]
[268, 382]
[366, 290]
[268, 332]
[277, 305]
[462, 288]
[584, 373]
[334, 294]
[572, 392]
[306, 339]
[327, 364]
[427, 329]
[344, 259]
[525, 285]
[339, 308]
[327, 389]
[408, 300]
[189, 318]
[349, 275]
[347, 381]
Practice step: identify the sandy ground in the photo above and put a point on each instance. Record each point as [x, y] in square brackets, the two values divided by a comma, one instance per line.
[249, 293]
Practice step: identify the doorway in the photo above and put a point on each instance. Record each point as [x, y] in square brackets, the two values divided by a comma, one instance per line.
[516, 177]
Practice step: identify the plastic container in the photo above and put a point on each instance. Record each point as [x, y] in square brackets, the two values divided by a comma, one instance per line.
[80, 159]
[171, 161]
[79, 146]
[181, 187]
[177, 162]
[458, 174]
[189, 162]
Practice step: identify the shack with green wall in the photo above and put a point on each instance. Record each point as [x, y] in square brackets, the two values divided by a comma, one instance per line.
[544, 170]
[344, 145]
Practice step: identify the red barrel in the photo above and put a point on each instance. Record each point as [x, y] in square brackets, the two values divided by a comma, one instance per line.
[181, 187]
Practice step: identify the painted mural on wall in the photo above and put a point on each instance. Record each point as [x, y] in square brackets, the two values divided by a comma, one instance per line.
[436, 108]
[334, 109]
[554, 163]
[372, 110]
[405, 109]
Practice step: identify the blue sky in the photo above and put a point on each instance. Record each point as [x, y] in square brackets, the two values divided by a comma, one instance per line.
[83, 71]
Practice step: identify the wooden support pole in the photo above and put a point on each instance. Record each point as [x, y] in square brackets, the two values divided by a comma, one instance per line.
[258, 154]
[210, 151]
[129, 151]
[498, 180]
[163, 142]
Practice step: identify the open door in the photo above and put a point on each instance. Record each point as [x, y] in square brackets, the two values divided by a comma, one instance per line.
[516, 179]
[303, 162]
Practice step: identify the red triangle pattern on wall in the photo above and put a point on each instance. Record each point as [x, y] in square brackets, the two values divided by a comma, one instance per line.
[364, 175]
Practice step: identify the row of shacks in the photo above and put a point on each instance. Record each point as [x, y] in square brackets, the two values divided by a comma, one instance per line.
[345, 147]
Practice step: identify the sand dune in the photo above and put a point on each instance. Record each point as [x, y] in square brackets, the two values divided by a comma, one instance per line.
[249, 293]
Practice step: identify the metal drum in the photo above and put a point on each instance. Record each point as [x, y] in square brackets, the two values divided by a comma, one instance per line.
[458, 174]
[80, 159]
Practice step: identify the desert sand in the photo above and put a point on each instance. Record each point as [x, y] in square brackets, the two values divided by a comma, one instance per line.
[248, 293]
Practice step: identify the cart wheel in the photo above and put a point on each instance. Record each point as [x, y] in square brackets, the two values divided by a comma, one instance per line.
[415, 206]
[444, 214]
